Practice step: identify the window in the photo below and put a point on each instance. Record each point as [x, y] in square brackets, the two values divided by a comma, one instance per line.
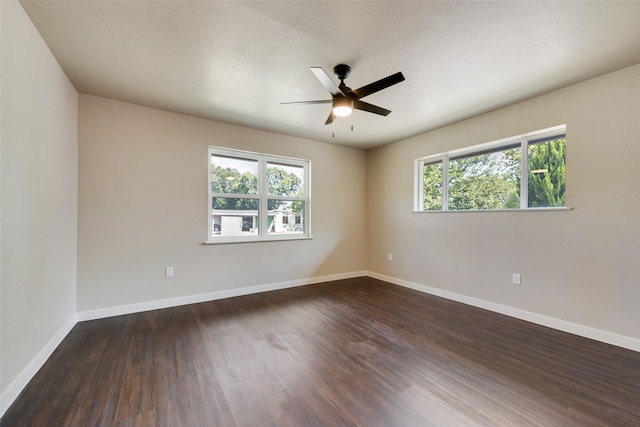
[255, 197]
[523, 172]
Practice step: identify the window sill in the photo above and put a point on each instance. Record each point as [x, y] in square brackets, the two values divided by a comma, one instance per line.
[499, 210]
[231, 241]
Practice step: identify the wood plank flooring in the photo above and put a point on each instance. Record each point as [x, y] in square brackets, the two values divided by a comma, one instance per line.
[357, 352]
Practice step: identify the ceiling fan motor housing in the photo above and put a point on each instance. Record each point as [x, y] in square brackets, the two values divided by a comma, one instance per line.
[342, 71]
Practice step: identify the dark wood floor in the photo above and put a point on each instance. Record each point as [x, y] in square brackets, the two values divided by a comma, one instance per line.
[356, 352]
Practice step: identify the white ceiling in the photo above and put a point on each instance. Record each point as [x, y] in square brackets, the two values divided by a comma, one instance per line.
[236, 61]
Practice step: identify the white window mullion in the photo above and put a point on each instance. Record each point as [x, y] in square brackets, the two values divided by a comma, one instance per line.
[445, 182]
[210, 203]
[419, 188]
[524, 174]
[307, 199]
[263, 212]
[210, 212]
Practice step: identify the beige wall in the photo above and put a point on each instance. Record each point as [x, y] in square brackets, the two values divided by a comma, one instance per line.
[143, 207]
[39, 197]
[580, 266]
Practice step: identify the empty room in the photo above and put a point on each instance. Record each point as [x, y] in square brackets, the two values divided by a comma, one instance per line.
[331, 213]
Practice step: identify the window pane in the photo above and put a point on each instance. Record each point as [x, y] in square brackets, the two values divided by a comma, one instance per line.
[285, 180]
[432, 187]
[490, 180]
[234, 217]
[547, 173]
[233, 175]
[286, 217]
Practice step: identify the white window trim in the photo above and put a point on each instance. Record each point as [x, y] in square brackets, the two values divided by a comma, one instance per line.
[524, 139]
[262, 196]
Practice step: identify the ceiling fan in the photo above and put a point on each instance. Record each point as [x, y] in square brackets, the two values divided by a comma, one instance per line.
[344, 99]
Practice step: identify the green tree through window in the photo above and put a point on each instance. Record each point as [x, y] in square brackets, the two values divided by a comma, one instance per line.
[485, 181]
[432, 187]
[547, 173]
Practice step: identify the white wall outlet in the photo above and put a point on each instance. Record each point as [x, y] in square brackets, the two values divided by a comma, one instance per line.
[516, 278]
[168, 272]
[390, 257]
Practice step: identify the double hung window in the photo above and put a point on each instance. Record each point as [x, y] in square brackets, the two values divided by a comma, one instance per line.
[255, 196]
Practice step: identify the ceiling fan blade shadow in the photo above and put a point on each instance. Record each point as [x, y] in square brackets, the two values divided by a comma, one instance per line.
[323, 101]
[326, 81]
[365, 106]
[378, 85]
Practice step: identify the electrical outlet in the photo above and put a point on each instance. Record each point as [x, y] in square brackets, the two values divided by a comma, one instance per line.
[168, 272]
[390, 257]
[516, 278]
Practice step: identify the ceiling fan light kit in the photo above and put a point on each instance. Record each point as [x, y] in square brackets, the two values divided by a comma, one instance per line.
[342, 106]
[344, 99]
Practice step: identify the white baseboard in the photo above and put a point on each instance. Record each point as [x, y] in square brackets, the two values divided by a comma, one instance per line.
[21, 381]
[551, 322]
[211, 296]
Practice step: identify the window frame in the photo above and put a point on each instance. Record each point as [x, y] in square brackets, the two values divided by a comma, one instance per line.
[263, 196]
[523, 141]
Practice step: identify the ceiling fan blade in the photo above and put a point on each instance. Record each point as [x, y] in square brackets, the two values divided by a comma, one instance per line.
[322, 101]
[326, 81]
[330, 118]
[365, 106]
[378, 86]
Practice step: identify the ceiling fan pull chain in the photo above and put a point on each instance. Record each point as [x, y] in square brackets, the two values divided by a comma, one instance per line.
[333, 129]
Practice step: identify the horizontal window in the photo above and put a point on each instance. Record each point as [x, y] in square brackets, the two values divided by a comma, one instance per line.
[518, 173]
[255, 197]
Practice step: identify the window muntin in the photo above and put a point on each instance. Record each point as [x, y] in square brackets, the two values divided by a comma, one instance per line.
[517, 173]
[256, 197]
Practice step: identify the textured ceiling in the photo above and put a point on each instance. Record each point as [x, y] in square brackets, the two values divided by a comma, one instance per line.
[236, 61]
